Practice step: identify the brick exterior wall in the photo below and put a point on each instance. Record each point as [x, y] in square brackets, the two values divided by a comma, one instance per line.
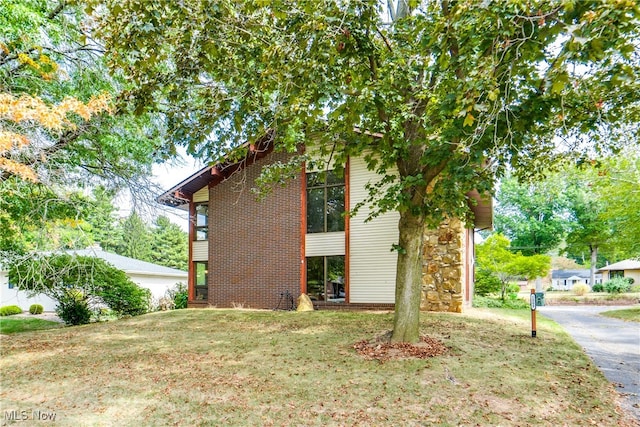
[254, 246]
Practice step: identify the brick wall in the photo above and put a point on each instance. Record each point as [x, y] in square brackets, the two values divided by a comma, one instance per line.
[254, 246]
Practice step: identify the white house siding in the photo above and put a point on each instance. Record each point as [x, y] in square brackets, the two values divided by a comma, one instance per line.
[325, 244]
[158, 285]
[372, 264]
[200, 250]
[21, 298]
[201, 195]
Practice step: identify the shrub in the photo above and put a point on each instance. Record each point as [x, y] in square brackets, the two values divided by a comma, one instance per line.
[617, 285]
[175, 297]
[73, 308]
[10, 310]
[125, 297]
[181, 296]
[598, 287]
[486, 283]
[36, 309]
[580, 289]
[488, 302]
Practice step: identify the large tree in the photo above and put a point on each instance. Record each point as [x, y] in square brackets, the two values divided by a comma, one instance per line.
[439, 96]
[532, 214]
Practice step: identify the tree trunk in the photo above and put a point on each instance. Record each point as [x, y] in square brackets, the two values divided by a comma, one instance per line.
[406, 322]
[594, 260]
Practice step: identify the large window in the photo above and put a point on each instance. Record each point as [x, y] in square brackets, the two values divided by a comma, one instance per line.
[325, 278]
[201, 269]
[201, 221]
[325, 202]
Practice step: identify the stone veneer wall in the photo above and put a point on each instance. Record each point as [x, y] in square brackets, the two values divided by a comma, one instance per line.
[443, 267]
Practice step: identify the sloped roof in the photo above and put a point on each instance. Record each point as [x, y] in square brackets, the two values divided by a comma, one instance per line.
[627, 264]
[129, 265]
[566, 274]
[179, 195]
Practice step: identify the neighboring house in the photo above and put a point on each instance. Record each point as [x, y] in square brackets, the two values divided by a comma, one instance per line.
[250, 253]
[151, 276]
[564, 280]
[628, 268]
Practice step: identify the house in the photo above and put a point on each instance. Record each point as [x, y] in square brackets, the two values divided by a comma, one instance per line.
[250, 253]
[629, 268]
[151, 276]
[564, 280]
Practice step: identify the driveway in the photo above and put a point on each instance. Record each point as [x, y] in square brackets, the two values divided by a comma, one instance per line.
[612, 344]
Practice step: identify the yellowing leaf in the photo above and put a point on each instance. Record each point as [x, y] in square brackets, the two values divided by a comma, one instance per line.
[468, 121]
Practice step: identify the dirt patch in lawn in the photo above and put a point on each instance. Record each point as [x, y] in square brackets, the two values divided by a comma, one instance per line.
[382, 349]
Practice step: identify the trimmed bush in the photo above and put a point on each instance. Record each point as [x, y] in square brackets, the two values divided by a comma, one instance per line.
[125, 297]
[486, 283]
[598, 287]
[580, 289]
[73, 308]
[617, 285]
[36, 309]
[10, 310]
[488, 302]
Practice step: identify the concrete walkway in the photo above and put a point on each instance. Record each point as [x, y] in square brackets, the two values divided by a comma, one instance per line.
[612, 344]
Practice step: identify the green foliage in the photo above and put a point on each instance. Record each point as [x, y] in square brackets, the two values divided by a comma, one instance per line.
[437, 87]
[36, 309]
[486, 283]
[491, 302]
[598, 287]
[493, 256]
[73, 308]
[125, 297]
[73, 280]
[180, 295]
[617, 285]
[531, 214]
[10, 310]
[169, 244]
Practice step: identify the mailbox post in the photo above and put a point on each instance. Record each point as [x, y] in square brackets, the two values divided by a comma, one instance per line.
[532, 300]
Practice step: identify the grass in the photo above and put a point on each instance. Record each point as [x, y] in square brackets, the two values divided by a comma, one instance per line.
[603, 298]
[628, 314]
[241, 367]
[20, 324]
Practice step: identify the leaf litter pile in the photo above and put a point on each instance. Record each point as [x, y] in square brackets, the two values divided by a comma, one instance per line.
[382, 349]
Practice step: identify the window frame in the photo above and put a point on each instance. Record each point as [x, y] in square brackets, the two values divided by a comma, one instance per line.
[200, 288]
[329, 182]
[197, 227]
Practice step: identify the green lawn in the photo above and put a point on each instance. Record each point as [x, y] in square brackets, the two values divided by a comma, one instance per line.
[12, 325]
[629, 314]
[240, 367]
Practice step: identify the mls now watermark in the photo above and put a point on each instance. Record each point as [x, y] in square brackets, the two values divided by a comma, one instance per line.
[35, 415]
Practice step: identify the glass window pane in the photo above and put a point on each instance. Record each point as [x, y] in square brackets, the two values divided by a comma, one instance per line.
[315, 278]
[202, 213]
[315, 179]
[335, 209]
[335, 177]
[335, 277]
[202, 272]
[202, 233]
[315, 210]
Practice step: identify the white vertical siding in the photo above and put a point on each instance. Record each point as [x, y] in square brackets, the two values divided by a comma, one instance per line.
[200, 251]
[372, 264]
[201, 195]
[324, 244]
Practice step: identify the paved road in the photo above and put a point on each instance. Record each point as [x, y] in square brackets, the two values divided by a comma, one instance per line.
[613, 345]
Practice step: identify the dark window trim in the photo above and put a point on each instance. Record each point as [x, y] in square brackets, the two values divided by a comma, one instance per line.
[324, 185]
[200, 228]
